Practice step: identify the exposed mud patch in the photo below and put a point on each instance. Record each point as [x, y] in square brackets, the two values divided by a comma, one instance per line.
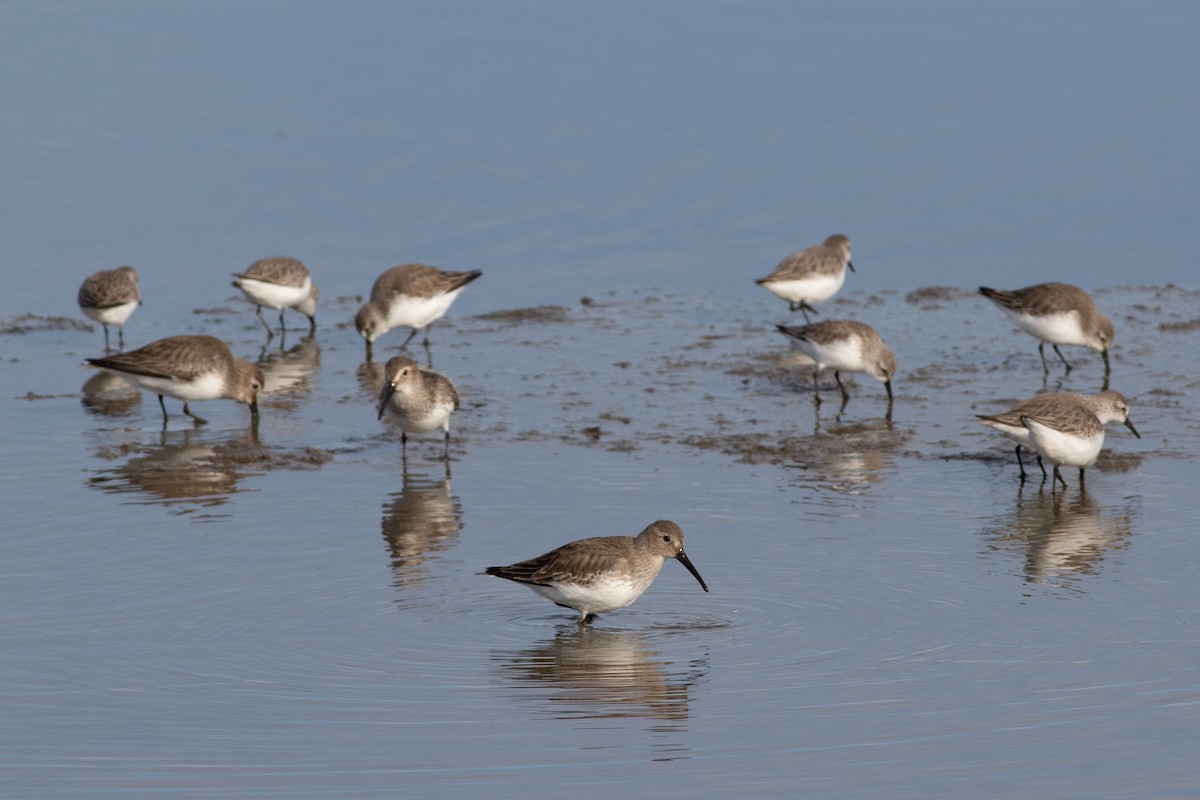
[931, 297]
[543, 314]
[36, 323]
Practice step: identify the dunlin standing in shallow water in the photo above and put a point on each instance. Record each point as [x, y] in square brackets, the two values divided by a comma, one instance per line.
[1068, 435]
[279, 282]
[411, 296]
[811, 275]
[109, 297]
[1056, 313]
[420, 399]
[1108, 406]
[188, 368]
[844, 345]
[601, 574]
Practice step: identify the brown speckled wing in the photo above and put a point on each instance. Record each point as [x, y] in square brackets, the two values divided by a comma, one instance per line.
[819, 260]
[419, 280]
[1069, 418]
[576, 562]
[108, 289]
[279, 270]
[181, 358]
[1053, 298]
[1042, 298]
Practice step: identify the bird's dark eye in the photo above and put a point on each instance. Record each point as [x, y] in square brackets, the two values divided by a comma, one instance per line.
[666, 538]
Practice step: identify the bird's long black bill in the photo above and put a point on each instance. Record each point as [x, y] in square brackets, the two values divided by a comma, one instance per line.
[682, 557]
[384, 397]
[850, 264]
[1129, 424]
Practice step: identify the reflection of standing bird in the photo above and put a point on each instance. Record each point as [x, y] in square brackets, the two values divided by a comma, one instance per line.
[410, 296]
[421, 400]
[844, 345]
[811, 275]
[1108, 406]
[110, 297]
[420, 520]
[603, 573]
[279, 282]
[188, 368]
[1056, 313]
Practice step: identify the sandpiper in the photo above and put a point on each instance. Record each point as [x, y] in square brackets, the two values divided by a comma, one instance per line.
[109, 297]
[1056, 313]
[844, 345]
[188, 368]
[279, 282]
[1108, 406]
[603, 573]
[1066, 434]
[409, 295]
[420, 399]
[811, 275]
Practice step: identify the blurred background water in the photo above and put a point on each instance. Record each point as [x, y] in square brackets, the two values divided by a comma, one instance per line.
[292, 610]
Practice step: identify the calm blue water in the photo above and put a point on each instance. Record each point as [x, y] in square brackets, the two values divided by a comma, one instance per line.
[294, 611]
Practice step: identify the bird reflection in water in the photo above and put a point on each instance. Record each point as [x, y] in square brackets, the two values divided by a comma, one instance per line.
[1062, 538]
[585, 673]
[846, 457]
[109, 395]
[421, 519]
[288, 372]
[186, 469]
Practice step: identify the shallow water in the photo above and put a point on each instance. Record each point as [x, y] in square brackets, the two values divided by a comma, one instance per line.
[294, 608]
[297, 610]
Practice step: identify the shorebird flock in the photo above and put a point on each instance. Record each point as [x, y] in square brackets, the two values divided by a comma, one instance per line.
[602, 574]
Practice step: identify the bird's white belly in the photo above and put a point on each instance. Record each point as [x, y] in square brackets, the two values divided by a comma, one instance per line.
[811, 289]
[1063, 448]
[207, 387]
[272, 295]
[595, 597]
[842, 354]
[113, 315]
[435, 419]
[406, 311]
[1062, 328]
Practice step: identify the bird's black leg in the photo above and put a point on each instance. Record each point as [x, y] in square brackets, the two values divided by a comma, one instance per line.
[1064, 360]
[270, 333]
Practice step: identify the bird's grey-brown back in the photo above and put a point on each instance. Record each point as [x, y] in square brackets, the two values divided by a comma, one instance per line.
[1108, 406]
[281, 270]
[419, 280]
[1067, 417]
[109, 288]
[824, 259]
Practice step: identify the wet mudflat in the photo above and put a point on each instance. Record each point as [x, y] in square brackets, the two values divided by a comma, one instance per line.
[294, 609]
